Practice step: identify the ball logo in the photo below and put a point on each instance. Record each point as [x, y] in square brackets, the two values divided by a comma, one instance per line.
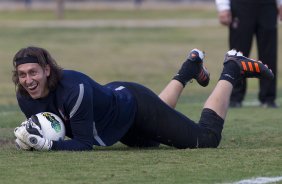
[55, 124]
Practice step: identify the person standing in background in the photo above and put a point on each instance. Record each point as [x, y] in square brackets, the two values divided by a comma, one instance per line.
[245, 19]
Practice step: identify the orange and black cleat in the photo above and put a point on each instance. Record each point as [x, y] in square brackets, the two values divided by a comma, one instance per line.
[203, 77]
[249, 68]
[193, 68]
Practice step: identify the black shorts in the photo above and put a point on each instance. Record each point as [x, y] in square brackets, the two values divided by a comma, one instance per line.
[156, 123]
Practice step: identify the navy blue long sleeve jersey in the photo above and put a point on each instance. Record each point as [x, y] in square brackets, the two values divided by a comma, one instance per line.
[93, 114]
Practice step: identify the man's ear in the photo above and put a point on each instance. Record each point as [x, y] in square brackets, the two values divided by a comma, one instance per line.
[47, 70]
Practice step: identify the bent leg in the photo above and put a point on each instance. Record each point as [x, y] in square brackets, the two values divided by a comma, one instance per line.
[171, 93]
[218, 101]
[157, 121]
[192, 68]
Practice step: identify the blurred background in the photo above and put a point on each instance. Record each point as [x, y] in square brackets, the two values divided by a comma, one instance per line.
[145, 41]
[89, 4]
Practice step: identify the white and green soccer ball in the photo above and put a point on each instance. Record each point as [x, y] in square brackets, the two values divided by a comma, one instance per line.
[51, 125]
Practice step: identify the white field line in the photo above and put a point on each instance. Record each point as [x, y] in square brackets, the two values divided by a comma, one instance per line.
[260, 180]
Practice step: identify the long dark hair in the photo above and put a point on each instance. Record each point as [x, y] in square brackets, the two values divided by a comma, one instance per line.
[44, 58]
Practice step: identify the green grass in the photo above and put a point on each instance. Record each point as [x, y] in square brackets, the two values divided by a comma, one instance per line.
[252, 137]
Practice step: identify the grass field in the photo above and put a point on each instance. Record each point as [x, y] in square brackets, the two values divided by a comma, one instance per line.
[252, 138]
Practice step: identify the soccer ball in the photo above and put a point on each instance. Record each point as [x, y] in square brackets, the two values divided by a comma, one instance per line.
[51, 125]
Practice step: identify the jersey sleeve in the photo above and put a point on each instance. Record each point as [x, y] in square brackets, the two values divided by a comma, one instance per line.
[79, 105]
[222, 5]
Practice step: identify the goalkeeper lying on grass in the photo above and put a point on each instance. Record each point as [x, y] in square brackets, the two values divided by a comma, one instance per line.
[102, 115]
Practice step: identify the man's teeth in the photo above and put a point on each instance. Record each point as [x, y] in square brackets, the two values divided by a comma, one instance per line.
[32, 87]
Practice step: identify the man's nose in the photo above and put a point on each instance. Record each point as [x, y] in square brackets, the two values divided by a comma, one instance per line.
[28, 79]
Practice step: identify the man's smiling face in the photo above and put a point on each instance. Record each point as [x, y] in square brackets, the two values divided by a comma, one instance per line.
[34, 79]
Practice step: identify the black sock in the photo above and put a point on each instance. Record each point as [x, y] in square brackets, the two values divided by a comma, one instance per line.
[230, 72]
[188, 70]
